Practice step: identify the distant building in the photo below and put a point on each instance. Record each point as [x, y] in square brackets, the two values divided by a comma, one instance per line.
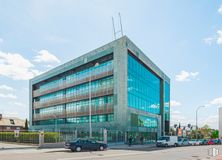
[220, 122]
[8, 124]
[127, 93]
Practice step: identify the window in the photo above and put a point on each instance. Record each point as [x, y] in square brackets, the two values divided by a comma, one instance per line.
[12, 121]
[143, 87]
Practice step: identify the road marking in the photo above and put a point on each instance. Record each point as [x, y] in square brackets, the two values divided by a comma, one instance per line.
[104, 156]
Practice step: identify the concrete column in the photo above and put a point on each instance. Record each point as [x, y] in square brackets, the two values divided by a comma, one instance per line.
[120, 84]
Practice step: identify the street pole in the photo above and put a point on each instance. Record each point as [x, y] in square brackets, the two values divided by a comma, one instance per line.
[90, 101]
[90, 106]
[197, 118]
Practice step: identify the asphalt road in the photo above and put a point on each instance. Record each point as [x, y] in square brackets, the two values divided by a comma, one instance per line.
[178, 153]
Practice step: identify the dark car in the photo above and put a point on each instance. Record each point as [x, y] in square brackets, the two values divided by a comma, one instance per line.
[217, 141]
[204, 142]
[85, 144]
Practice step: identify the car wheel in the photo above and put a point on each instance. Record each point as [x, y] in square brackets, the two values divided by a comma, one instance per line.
[101, 148]
[175, 145]
[166, 145]
[78, 149]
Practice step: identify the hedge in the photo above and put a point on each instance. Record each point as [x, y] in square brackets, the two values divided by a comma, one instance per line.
[29, 137]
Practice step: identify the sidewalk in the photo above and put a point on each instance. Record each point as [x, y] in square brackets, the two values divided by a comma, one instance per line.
[8, 146]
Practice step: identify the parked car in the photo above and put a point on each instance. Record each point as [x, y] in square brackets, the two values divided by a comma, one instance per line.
[166, 141]
[210, 142]
[194, 142]
[85, 144]
[183, 142]
[217, 141]
[203, 142]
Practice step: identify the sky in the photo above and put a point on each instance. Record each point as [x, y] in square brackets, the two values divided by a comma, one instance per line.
[183, 37]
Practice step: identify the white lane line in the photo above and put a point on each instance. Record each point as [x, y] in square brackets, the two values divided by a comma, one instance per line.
[103, 156]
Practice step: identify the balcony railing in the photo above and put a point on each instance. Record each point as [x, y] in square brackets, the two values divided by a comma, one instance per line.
[103, 109]
[100, 93]
[49, 116]
[64, 85]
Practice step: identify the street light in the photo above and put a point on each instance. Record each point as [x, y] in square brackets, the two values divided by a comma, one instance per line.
[90, 101]
[197, 117]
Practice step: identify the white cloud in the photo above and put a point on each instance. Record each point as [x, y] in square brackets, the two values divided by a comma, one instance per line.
[6, 88]
[186, 76]
[219, 38]
[211, 120]
[217, 101]
[10, 114]
[220, 9]
[19, 104]
[1, 40]
[14, 66]
[46, 57]
[9, 96]
[56, 39]
[209, 40]
[174, 103]
[178, 117]
[215, 39]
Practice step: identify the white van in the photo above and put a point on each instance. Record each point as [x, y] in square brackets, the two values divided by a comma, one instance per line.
[166, 141]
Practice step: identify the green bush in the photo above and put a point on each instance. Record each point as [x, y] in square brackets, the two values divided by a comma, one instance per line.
[29, 137]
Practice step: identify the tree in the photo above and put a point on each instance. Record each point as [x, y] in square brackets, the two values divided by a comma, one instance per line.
[206, 131]
[172, 131]
[215, 134]
[26, 124]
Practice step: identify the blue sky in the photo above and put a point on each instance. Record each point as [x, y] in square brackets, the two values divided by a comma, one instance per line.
[184, 38]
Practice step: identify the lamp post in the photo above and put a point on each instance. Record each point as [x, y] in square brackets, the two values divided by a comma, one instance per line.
[90, 101]
[54, 115]
[197, 118]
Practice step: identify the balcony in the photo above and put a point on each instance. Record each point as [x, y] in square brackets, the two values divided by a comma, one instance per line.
[100, 93]
[38, 117]
[37, 93]
[103, 109]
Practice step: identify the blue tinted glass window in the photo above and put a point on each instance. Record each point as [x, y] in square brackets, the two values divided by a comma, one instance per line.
[143, 87]
[149, 122]
[167, 101]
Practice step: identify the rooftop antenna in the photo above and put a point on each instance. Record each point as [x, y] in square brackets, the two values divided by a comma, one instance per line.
[121, 27]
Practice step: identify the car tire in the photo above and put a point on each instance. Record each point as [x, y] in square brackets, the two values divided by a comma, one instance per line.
[101, 148]
[175, 145]
[72, 150]
[78, 149]
[166, 145]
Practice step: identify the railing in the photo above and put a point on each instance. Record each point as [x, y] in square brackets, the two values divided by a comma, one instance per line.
[103, 109]
[100, 93]
[64, 85]
[50, 116]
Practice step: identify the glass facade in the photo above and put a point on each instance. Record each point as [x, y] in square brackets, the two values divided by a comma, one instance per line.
[143, 121]
[82, 89]
[104, 67]
[95, 119]
[167, 101]
[143, 87]
[81, 106]
[125, 106]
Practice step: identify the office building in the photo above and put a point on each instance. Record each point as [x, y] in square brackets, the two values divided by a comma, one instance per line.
[127, 93]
